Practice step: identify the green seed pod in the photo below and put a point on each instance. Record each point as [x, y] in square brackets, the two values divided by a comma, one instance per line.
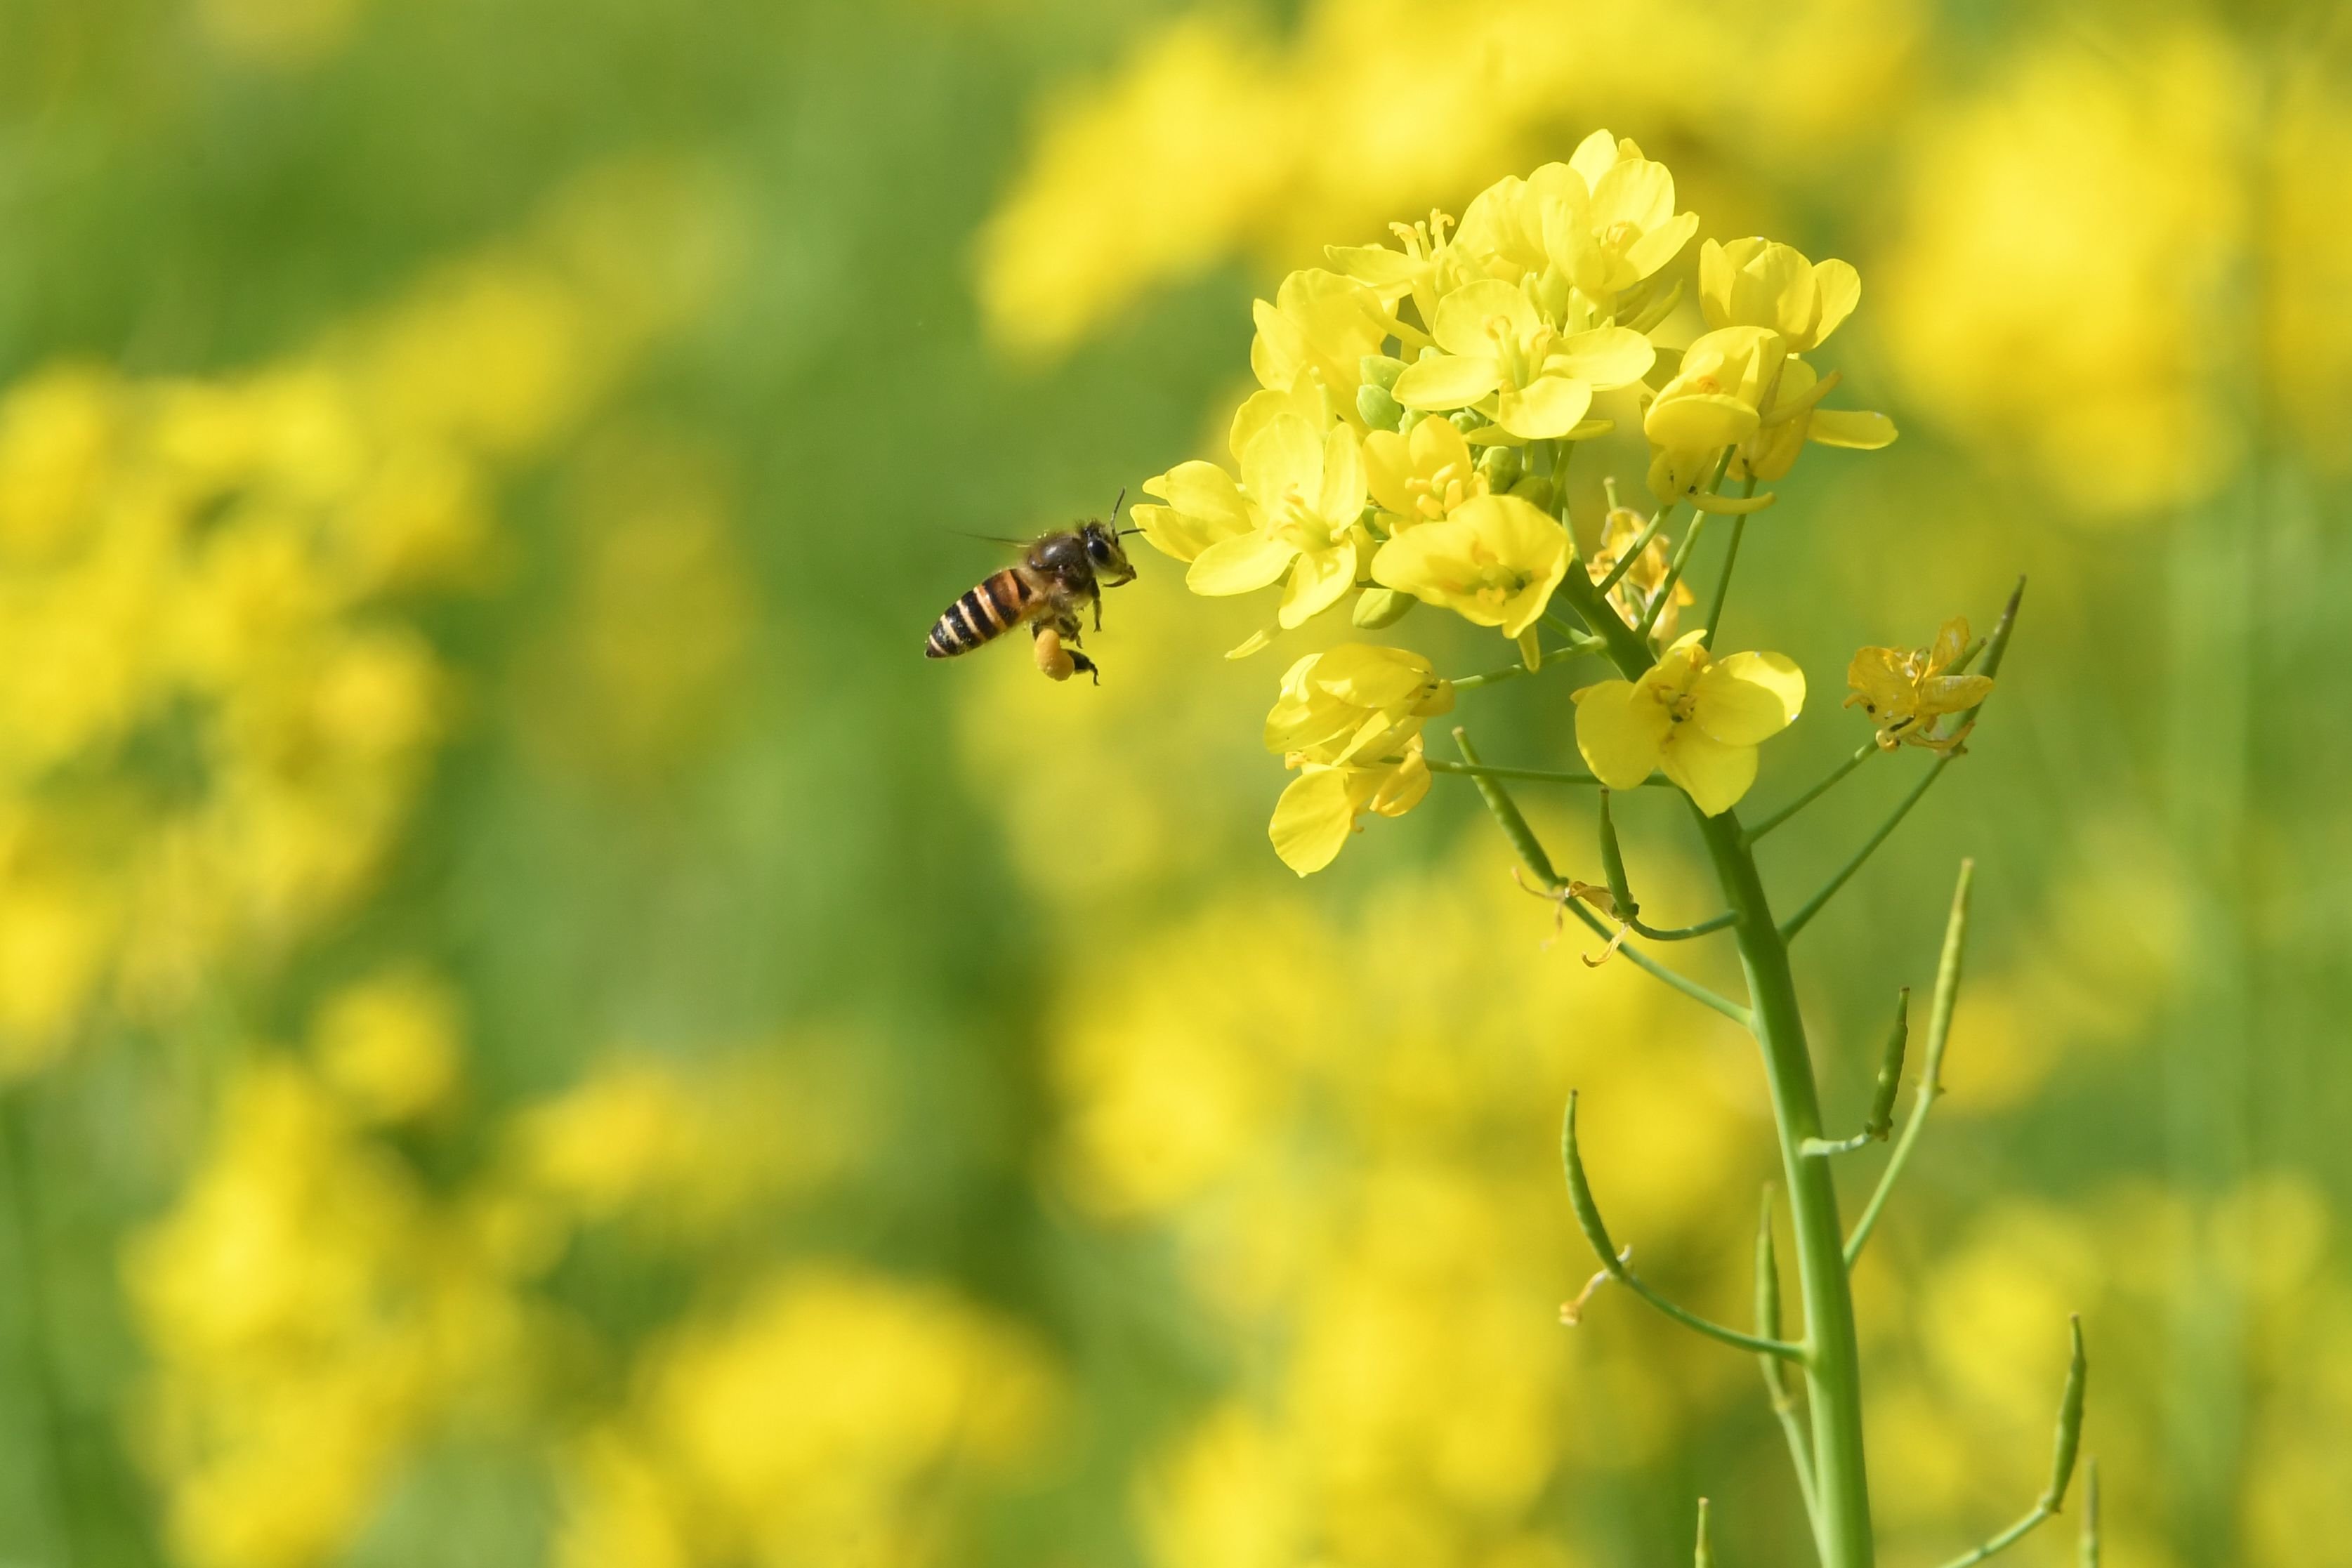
[1613, 864]
[2070, 1419]
[1378, 607]
[1502, 466]
[1380, 370]
[1579, 1195]
[1890, 1070]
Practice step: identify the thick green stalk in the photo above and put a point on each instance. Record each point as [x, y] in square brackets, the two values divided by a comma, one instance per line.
[1833, 1355]
[1833, 1352]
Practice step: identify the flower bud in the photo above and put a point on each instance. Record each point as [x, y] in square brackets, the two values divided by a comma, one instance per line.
[1378, 607]
[1380, 370]
[1535, 491]
[1376, 407]
[1502, 466]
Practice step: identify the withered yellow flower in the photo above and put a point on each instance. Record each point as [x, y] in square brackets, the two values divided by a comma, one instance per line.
[1904, 691]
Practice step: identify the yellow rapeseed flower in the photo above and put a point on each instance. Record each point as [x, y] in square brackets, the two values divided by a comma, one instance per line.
[1350, 720]
[1905, 690]
[1495, 560]
[1499, 354]
[1697, 717]
[1716, 400]
[1604, 220]
[1422, 477]
[1319, 324]
[1307, 493]
[1763, 283]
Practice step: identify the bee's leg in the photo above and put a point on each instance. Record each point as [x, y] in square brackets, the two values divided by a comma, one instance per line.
[1067, 624]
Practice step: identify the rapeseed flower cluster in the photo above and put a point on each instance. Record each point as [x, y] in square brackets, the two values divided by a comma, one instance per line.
[1409, 444]
[210, 594]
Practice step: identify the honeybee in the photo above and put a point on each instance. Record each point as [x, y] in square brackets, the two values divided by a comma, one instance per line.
[1059, 574]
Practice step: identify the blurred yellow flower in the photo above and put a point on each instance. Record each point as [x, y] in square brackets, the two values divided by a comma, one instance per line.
[390, 1045]
[1697, 717]
[1494, 560]
[835, 1415]
[1904, 691]
[1350, 720]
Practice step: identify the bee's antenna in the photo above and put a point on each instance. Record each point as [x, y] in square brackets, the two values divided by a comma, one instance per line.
[1120, 532]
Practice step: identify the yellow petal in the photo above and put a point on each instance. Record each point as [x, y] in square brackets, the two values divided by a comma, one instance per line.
[1285, 455]
[1312, 820]
[1463, 317]
[1389, 463]
[1714, 776]
[1256, 642]
[1343, 491]
[1374, 264]
[1876, 675]
[1318, 580]
[1400, 787]
[1951, 642]
[1748, 697]
[1619, 732]
[1531, 648]
[1634, 191]
[1950, 694]
[1850, 428]
[1447, 381]
[1594, 156]
[1660, 245]
[1549, 406]
[1698, 422]
[1243, 564]
[1606, 357]
[1715, 275]
[1840, 286]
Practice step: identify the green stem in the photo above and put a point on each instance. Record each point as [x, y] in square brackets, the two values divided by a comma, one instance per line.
[1723, 579]
[1776, 1377]
[1833, 1359]
[1534, 775]
[1833, 1363]
[1868, 749]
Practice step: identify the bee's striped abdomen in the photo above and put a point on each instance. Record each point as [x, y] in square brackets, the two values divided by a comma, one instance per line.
[989, 611]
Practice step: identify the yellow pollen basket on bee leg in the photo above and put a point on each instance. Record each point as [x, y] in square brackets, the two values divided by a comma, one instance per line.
[1052, 657]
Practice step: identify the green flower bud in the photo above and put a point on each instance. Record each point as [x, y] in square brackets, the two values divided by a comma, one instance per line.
[1466, 420]
[1375, 406]
[1502, 466]
[1409, 418]
[1380, 370]
[1535, 491]
[1378, 607]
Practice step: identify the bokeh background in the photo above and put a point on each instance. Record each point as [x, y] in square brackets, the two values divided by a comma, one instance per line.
[536, 1029]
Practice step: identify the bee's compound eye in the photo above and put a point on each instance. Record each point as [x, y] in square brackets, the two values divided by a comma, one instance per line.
[1099, 548]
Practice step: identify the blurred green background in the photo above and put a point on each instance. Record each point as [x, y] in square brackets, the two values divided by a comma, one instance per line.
[537, 1029]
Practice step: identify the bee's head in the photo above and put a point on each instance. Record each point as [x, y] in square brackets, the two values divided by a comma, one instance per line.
[1104, 548]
